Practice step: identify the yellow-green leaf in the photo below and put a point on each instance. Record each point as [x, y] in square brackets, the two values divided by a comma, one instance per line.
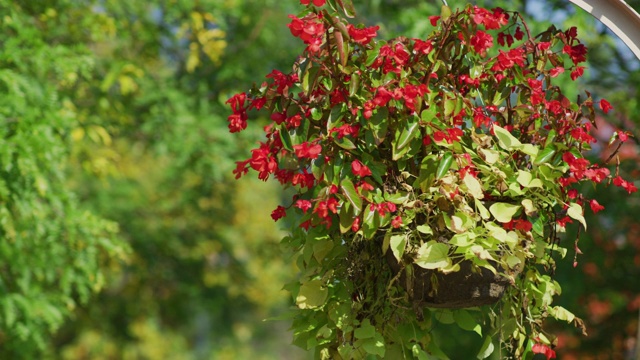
[349, 190]
[311, 295]
[398, 244]
[575, 212]
[474, 187]
[433, 255]
[505, 139]
[503, 212]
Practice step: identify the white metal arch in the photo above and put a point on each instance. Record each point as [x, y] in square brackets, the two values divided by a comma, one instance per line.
[618, 16]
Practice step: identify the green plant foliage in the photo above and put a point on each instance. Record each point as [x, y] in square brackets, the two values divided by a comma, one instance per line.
[473, 168]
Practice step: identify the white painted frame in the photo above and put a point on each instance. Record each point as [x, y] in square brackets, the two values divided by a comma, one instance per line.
[618, 16]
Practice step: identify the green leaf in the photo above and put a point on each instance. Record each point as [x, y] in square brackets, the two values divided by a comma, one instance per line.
[436, 352]
[444, 165]
[344, 143]
[561, 313]
[311, 295]
[484, 213]
[354, 84]
[490, 156]
[379, 124]
[461, 239]
[445, 12]
[335, 116]
[429, 114]
[419, 353]
[575, 212]
[425, 229]
[466, 322]
[529, 149]
[544, 156]
[349, 190]
[428, 170]
[526, 179]
[474, 187]
[396, 198]
[404, 137]
[370, 223]
[321, 249]
[398, 244]
[449, 106]
[487, 348]
[346, 217]
[347, 7]
[503, 212]
[433, 255]
[286, 140]
[505, 139]
[365, 331]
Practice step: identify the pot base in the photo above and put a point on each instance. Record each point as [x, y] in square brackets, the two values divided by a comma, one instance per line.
[462, 289]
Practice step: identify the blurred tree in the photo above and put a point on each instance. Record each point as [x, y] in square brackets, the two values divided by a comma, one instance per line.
[52, 250]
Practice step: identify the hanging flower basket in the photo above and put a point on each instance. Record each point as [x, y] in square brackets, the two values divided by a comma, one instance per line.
[465, 288]
[429, 173]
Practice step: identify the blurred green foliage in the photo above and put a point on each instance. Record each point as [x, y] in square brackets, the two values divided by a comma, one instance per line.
[115, 175]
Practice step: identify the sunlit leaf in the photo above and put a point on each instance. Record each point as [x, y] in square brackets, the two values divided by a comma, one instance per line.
[433, 255]
[503, 212]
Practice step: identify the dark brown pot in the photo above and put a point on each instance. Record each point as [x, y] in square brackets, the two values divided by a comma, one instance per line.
[462, 289]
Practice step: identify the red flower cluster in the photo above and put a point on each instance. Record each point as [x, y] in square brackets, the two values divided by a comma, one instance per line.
[360, 169]
[490, 19]
[362, 36]
[315, 2]
[627, 185]
[309, 29]
[237, 120]
[518, 224]
[544, 350]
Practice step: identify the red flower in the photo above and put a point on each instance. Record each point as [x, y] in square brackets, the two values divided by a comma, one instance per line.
[263, 162]
[237, 122]
[396, 222]
[544, 350]
[564, 221]
[597, 174]
[623, 136]
[518, 224]
[309, 29]
[481, 41]
[577, 53]
[577, 72]
[237, 102]
[303, 205]
[595, 207]
[519, 35]
[434, 20]
[362, 36]
[365, 186]
[490, 20]
[556, 71]
[422, 47]
[618, 181]
[356, 225]
[315, 2]
[360, 169]
[306, 150]
[325, 206]
[278, 213]
[605, 106]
